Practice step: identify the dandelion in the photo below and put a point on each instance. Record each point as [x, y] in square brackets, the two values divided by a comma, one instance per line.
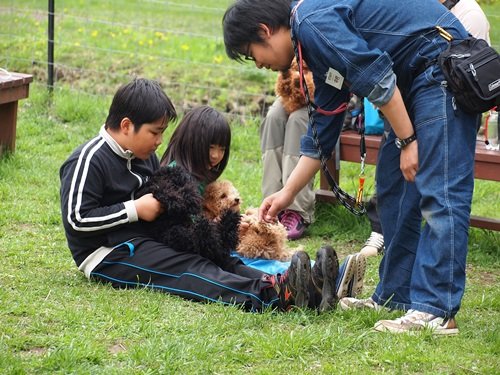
[150, 42]
[217, 59]
[94, 33]
[185, 47]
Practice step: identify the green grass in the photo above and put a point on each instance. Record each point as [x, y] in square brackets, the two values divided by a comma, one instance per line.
[53, 320]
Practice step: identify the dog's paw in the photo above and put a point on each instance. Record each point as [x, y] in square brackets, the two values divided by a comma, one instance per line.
[229, 229]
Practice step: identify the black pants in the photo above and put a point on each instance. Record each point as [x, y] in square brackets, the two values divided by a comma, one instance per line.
[144, 263]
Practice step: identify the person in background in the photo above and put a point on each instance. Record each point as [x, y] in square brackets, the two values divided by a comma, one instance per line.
[280, 133]
[471, 16]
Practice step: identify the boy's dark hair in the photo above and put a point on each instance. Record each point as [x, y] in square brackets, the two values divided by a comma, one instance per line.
[142, 101]
[241, 23]
[190, 143]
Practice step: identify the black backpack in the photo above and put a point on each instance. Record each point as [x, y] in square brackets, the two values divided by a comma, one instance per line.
[472, 70]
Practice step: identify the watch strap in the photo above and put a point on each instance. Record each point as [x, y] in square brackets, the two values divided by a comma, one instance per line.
[402, 143]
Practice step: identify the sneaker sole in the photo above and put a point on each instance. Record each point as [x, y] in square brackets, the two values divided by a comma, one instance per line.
[346, 276]
[346, 305]
[300, 278]
[329, 269]
[382, 326]
[356, 287]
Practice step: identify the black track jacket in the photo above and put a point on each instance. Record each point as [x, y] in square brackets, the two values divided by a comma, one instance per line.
[98, 183]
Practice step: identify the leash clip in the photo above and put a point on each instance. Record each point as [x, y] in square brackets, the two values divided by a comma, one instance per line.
[445, 34]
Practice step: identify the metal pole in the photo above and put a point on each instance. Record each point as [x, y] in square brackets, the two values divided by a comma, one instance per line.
[50, 51]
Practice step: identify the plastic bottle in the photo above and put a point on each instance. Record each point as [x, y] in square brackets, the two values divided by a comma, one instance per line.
[493, 131]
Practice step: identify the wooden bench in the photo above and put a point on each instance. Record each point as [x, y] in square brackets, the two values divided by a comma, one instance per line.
[13, 86]
[487, 167]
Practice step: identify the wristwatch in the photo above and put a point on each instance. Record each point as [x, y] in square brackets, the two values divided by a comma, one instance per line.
[402, 143]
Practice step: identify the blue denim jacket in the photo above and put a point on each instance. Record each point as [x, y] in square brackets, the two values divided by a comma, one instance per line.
[372, 44]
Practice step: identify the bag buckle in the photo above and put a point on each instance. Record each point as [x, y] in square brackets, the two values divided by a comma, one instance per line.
[444, 34]
[473, 70]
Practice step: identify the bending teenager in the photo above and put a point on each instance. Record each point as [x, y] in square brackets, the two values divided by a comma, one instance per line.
[425, 168]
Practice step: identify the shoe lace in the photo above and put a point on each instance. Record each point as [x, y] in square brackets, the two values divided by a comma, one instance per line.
[366, 302]
[290, 219]
[376, 240]
[412, 316]
[358, 302]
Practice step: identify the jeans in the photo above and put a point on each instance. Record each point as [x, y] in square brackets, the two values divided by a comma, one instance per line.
[423, 267]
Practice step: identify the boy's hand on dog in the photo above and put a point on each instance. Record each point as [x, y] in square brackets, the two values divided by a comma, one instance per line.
[148, 207]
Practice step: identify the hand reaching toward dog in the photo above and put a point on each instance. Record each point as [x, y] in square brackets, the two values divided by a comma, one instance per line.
[273, 204]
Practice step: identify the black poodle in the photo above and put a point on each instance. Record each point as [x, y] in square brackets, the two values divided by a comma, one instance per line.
[182, 225]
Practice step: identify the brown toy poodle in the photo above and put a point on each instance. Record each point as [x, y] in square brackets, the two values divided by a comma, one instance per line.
[256, 239]
[288, 87]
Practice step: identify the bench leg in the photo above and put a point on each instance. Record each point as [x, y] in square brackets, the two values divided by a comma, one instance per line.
[8, 118]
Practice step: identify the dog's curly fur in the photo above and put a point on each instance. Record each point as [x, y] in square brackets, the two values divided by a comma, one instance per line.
[259, 239]
[288, 87]
[263, 240]
[182, 226]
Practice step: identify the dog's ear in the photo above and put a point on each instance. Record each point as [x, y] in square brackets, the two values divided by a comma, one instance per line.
[209, 209]
[208, 206]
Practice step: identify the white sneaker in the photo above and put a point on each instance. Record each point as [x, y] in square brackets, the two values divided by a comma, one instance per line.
[345, 276]
[374, 245]
[356, 284]
[350, 303]
[415, 320]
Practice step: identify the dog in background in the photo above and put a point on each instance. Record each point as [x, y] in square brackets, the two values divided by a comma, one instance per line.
[288, 87]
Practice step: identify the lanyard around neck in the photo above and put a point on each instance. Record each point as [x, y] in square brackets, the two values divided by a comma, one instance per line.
[354, 205]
